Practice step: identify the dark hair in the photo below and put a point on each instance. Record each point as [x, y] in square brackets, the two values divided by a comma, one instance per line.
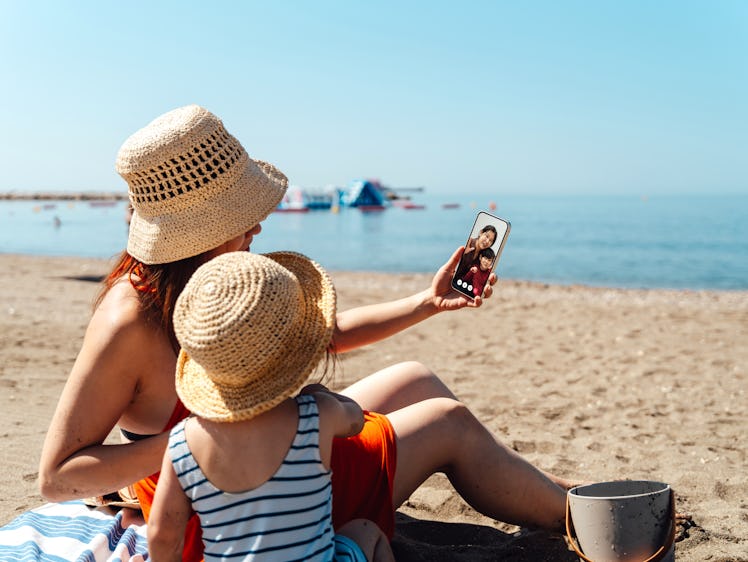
[487, 253]
[492, 228]
[157, 286]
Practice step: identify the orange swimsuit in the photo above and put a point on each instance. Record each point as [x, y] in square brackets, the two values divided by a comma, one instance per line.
[146, 488]
[363, 472]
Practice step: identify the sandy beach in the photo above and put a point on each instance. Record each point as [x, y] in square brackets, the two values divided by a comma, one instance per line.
[589, 383]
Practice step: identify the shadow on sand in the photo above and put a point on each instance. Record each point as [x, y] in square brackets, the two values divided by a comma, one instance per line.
[86, 278]
[419, 540]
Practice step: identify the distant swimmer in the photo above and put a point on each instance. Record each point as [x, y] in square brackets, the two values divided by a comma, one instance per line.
[56, 221]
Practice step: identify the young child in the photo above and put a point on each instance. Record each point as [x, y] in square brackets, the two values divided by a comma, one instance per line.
[254, 462]
[478, 274]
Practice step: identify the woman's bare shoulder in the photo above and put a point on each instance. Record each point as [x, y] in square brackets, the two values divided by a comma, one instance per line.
[119, 314]
[120, 348]
[119, 339]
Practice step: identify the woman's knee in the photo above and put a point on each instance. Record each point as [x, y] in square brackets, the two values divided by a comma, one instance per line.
[457, 417]
[459, 433]
[412, 370]
[420, 382]
[439, 421]
[398, 386]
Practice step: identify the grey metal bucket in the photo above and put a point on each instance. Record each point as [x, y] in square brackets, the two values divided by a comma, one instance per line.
[628, 520]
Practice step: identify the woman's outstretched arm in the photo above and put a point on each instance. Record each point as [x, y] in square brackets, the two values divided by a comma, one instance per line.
[367, 324]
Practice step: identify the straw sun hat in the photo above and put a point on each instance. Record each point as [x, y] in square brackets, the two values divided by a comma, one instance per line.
[252, 329]
[192, 186]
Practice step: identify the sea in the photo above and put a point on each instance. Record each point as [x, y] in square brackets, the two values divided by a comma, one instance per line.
[677, 242]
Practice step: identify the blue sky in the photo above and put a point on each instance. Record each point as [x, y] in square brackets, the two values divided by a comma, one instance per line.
[553, 97]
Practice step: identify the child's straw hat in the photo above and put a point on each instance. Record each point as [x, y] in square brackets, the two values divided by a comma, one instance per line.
[252, 328]
[192, 186]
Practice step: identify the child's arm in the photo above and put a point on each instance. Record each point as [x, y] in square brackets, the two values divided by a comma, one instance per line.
[345, 415]
[169, 515]
[339, 416]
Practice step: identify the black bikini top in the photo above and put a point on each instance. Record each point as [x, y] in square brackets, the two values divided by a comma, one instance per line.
[133, 436]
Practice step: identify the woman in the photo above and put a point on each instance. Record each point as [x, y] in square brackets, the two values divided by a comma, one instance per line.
[197, 194]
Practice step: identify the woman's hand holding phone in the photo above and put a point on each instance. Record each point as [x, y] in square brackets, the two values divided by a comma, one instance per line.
[445, 297]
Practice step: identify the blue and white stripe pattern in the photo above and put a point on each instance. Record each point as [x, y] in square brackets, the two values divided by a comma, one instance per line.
[71, 531]
[289, 517]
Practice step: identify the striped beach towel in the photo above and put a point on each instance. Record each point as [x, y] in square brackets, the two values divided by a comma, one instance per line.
[71, 531]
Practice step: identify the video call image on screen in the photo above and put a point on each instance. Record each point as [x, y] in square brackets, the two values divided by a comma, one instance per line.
[482, 250]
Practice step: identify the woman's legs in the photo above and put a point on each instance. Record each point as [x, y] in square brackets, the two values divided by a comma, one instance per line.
[442, 435]
[437, 433]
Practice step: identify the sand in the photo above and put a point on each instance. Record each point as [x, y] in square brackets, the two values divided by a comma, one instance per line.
[588, 383]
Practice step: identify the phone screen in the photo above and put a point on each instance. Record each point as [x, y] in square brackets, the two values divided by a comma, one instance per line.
[482, 250]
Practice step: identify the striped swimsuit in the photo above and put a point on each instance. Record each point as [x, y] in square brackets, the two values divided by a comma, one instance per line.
[286, 518]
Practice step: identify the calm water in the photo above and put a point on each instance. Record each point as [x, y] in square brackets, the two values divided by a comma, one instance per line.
[677, 242]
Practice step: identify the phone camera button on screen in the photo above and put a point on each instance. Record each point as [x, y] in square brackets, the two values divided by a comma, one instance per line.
[469, 287]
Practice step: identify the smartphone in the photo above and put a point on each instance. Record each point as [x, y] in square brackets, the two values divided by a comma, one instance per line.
[482, 250]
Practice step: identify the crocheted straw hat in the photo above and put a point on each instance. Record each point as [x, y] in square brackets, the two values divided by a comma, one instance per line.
[252, 328]
[192, 186]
